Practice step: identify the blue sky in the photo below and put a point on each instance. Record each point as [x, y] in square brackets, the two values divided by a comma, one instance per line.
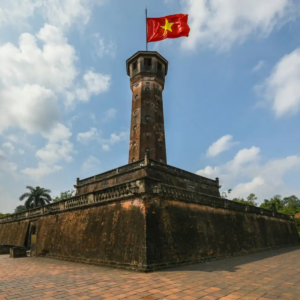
[231, 99]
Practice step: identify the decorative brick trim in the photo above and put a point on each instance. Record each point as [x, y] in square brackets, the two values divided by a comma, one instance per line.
[141, 188]
[173, 193]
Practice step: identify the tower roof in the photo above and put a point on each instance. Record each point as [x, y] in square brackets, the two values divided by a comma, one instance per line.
[146, 54]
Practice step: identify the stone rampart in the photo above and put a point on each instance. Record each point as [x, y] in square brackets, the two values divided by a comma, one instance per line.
[147, 224]
[185, 232]
[110, 234]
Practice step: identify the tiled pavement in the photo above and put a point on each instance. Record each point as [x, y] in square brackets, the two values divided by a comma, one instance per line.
[266, 275]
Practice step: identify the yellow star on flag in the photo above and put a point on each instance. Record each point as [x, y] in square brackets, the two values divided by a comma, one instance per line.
[168, 26]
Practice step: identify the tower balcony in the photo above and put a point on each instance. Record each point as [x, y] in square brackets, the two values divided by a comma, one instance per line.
[147, 63]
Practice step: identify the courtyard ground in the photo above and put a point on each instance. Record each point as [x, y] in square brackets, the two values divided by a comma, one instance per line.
[267, 275]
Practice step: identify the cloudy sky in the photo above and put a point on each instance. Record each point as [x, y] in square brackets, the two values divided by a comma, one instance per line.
[231, 100]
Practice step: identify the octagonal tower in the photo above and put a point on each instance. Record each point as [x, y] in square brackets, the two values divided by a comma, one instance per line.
[147, 71]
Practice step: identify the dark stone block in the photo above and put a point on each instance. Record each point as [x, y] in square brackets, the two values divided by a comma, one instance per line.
[16, 252]
[4, 249]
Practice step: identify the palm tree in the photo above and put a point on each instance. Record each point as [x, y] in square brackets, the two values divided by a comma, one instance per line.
[36, 197]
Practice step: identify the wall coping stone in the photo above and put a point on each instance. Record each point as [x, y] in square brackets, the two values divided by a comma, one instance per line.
[143, 164]
[140, 188]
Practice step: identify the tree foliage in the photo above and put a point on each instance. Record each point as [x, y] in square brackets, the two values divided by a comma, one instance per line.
[64, 195]
[36, 197]
[250, 200]
[274, 204]
[19, 209]
[3, 215]
[288, 205]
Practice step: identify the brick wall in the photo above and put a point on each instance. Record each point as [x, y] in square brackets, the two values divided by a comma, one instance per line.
[180, 232]
[148, 232]
[109, 234]
[13, 233]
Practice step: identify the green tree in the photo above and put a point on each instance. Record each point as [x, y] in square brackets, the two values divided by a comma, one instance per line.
[224, 194]
[275, 204]
[20, 208]
[249, 201]
[291, 205]
[36, 197]
[288, 205]
[64, 195]
[3, 215]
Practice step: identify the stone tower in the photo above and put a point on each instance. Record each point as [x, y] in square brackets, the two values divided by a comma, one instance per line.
[147, 71]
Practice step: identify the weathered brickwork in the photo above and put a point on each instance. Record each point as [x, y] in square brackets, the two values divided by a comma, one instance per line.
[179, 233]
[147, 167]
[112, 234]
[147, 71]
[109, 234]
[147, 226]
[14, 233]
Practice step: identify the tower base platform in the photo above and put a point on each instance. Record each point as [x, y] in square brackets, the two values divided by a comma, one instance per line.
[147, 216]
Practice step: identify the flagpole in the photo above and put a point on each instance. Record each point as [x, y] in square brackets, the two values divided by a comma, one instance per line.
[146, 31]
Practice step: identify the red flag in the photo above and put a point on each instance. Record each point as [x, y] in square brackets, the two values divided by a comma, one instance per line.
[169, 27]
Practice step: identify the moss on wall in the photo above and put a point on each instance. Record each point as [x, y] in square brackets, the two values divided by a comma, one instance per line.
[151, 233]
[178, 232]
[108, 233]
[13, 233]
[111, 233]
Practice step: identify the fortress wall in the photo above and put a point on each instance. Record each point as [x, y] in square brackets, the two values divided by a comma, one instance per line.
[14, 233]
[179, 232]
[152, 232]
[113, 233]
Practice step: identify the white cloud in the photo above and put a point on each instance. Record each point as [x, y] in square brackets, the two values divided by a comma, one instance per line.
[57, 149]
[15, 12]
[109, 115]
[20, 138]
[246, 155]
[21, 151]
[55, 152]
[88, 136]
[282, 88]
[94, 84]
[259, 65]
[5, 165]
[222, 144]
[105, 147]
[31, 108]
[61, 13]
[57, 133]
[51, 66]
[32, 78]
[90, 163]
[115, 138]
[245, 174]
[9, 146]
[41, 171]
[103, 47]
[94, 135]
[245, 189]
[219, 24]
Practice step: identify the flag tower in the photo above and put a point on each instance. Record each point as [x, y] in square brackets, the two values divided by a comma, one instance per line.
[147, 71]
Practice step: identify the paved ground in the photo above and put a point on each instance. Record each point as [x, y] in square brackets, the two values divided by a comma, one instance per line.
[267, 275]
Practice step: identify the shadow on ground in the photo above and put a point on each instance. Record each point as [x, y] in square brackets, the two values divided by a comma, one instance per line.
[232, 264]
